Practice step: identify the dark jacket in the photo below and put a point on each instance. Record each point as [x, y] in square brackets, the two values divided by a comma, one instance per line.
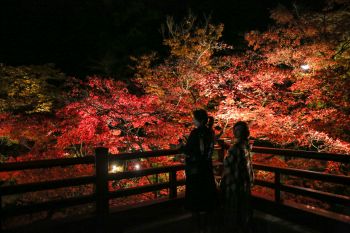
[200, 183]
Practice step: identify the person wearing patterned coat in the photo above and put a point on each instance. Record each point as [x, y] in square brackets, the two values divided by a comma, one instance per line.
[237, 181]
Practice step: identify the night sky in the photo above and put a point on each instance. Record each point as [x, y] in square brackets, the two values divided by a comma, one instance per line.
[77, 34]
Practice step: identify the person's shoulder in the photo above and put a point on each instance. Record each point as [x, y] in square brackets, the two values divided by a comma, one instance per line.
[233, 149]
[207, 130]
[194, 131]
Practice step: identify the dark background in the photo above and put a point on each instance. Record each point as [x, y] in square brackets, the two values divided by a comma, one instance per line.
[97, 36]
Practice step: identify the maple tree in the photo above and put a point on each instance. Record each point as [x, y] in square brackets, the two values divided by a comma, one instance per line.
[29, 95]
[104, 113]
[177, 81]
[291, 86]
[267, 85]
[193, 41]
[30, 89]
[284, 103]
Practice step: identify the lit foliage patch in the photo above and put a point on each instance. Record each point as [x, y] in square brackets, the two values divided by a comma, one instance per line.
[104, 113]
[29, 89]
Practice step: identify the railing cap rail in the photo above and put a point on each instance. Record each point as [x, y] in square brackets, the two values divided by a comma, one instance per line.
[13, 166]
[45, 163]
[143, 154]
[344, 158]
[304, 173]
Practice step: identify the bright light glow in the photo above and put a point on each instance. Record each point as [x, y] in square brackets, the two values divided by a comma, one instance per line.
[116, 168]
[137, 166]
[305, 67]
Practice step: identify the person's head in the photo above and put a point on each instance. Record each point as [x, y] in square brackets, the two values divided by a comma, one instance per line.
[200, 117]
[241, 131]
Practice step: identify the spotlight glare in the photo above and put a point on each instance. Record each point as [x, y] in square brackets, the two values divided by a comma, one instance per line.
[116, 168]
[305, 67]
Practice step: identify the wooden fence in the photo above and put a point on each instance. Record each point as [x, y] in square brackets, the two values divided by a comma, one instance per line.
[102, 194]
[278, 186]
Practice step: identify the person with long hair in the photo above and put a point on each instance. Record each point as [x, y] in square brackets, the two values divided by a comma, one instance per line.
[238, 178]
[200, 195]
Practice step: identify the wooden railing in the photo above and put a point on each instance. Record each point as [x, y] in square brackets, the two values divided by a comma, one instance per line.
[38, 186]
[102, 194]
[279, 187]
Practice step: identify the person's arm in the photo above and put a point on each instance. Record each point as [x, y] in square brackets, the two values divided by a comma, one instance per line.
[235, 169]
[223, 175]
[251, 170]
[229, 163]
[228, 170]
[188, 148]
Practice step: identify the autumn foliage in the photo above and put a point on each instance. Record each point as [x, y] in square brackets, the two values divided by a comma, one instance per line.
[291, 84]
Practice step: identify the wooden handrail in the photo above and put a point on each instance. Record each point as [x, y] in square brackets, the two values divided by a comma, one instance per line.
[324, 196]
[145, 154]
[45, 163]
[143, 189]
[102, 166]
[52, 184]
[102, 195]
[265, 183]
[339, 179]
[343, 158]
[145, 172]
[49, 205]
[139, 190]
[48, 163]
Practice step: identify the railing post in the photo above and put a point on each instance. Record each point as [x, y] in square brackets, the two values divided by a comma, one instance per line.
[173, 186]
[277, 187]
[156, 181]
[102, 201]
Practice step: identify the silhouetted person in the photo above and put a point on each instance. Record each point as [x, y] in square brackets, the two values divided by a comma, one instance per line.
[236, 183]
[201, 193]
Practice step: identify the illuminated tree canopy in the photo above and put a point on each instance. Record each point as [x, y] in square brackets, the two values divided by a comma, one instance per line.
[29, 89]
[290, 83]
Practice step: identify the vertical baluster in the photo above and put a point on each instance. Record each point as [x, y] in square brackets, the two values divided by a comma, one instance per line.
[172, 183]
[156, 181]
[277, 186]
